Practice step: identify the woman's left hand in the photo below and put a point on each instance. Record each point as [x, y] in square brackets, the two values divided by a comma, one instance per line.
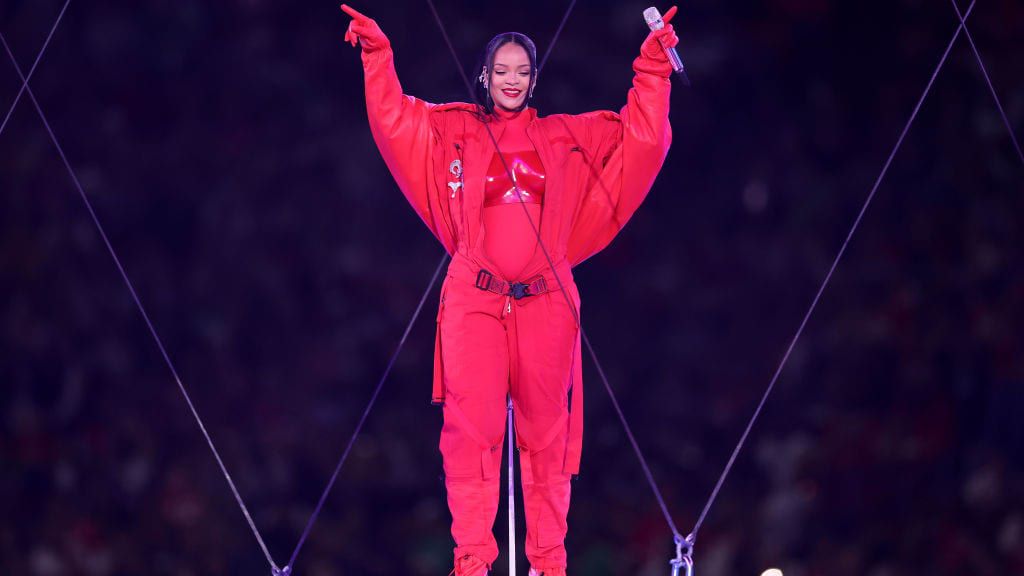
[658, 41]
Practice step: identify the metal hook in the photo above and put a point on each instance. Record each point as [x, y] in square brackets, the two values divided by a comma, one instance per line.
[686, 562]
[683, 559]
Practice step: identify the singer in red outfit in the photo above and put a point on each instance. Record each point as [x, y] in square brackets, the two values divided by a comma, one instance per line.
[504, 324]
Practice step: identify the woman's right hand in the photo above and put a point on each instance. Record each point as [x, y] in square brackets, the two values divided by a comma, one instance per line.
[658, 41]
[364, 30]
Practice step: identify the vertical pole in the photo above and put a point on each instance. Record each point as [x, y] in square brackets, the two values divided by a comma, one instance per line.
[511, 495]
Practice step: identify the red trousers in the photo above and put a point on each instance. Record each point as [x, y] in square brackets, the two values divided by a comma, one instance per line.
[493, 345]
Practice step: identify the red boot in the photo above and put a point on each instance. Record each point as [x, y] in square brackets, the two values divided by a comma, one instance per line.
[470, 566]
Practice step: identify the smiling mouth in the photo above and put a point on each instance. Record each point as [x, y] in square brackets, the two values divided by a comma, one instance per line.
[511, 93]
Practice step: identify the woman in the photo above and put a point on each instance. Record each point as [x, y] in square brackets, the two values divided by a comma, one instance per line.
[504, 324]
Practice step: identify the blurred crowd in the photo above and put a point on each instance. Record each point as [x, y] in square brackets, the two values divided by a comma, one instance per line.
[225, 150]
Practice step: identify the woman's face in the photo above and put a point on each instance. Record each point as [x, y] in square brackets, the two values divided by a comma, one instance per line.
[510, 76]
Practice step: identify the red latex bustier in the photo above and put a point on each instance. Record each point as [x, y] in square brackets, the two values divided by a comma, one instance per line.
[527, 172]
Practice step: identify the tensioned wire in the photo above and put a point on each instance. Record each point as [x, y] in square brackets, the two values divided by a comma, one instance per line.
[690, 539]
[27, 79]
[856, 223]
[170, 364]
[962, 18]
[366, 414]
[138, 303]
[988, 81]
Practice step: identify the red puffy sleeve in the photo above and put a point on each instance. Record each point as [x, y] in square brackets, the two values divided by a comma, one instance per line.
[402, 129]
[623, 154]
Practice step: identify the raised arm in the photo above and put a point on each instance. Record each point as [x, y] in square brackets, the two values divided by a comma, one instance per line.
[400, 123]
[625, 151]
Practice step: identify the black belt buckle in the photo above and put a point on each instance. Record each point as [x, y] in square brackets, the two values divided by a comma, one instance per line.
[519, 290]
[483, 279]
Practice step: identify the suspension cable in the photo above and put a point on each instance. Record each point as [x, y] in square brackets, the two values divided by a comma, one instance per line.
[32, 70]
[984, 72]
[681, 543]
[142, 310]
[366, 412]
[771, 385]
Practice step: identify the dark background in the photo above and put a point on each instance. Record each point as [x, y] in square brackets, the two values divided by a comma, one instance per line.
[225, 148]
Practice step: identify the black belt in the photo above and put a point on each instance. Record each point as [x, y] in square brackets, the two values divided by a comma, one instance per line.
[486, 281]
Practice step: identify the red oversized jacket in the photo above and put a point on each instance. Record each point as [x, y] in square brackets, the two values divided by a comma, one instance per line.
[599, 167]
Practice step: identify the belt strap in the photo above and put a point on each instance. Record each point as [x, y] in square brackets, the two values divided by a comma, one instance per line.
[486, 281]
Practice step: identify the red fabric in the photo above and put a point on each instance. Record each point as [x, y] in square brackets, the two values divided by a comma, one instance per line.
[526, 181]
[490, 352]
[510, 242]
[513, 129]
[599, 167]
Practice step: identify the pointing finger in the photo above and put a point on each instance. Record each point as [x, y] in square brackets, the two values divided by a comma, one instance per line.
[353, 12]
[668, 15]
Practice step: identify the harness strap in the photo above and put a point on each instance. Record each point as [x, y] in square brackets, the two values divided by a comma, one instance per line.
[487, 281]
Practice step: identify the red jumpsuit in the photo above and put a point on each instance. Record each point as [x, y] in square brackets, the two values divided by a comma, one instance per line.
[598, 168]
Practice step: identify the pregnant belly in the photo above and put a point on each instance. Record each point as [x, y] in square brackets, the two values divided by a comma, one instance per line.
[509, 240]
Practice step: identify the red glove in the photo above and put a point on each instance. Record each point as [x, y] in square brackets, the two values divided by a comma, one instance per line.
[364, 30]
[658, 41]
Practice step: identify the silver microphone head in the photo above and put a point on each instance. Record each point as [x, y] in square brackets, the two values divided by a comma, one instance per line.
[653, 18]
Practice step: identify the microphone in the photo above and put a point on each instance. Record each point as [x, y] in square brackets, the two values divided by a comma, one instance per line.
[654, 22]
